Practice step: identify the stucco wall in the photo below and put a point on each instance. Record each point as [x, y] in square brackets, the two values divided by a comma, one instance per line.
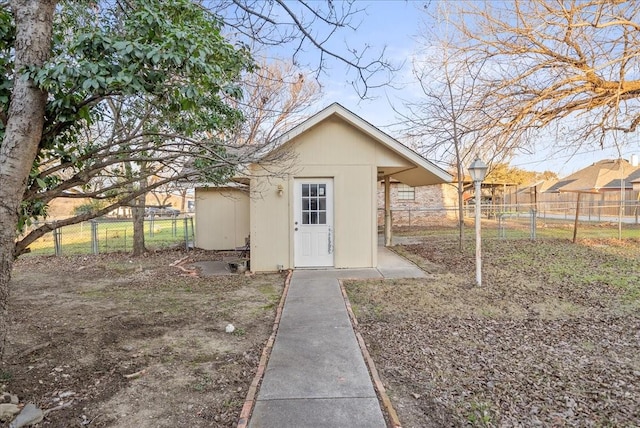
[222, 218]
[332, 149]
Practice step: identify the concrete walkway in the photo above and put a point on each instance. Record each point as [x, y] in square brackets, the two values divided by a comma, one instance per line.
[316, 375]
[391, 265]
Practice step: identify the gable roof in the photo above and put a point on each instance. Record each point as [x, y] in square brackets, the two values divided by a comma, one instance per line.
[539, 186]
[634, 177]
[423, 172]
[604, 175]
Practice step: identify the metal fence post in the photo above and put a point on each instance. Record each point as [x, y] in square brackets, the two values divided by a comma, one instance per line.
[193, 232]
[186, 234]
[94, 237]
[533, 224]
[151, 225]
[501, 226]
[56, 240]
[599, 210]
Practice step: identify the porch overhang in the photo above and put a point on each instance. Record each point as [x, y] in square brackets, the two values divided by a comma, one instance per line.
[414, 176]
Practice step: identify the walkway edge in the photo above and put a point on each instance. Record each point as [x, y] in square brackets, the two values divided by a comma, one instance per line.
[249, 400]
[382, 392]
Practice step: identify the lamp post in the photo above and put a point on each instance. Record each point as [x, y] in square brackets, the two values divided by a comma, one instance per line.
[478, 171]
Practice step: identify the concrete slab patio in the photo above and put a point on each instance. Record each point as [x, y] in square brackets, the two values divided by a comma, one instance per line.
[390, 265]
[316, 375]
[213, 268]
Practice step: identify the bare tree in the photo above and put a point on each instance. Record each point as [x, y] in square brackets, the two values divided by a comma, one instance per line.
[303, 26]
[447, 120]
[441, 120]
[277, 96]
[572, 64]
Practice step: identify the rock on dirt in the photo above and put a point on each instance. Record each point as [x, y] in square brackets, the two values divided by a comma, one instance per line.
[29, 415]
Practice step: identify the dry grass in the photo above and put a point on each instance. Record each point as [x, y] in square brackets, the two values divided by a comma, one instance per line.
[551, 339]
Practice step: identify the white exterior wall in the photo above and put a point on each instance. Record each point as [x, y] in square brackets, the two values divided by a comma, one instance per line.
[222, 218]
[331, 149]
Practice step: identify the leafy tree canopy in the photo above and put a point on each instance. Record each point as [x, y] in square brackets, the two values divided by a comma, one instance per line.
[168, 58]
[504, 173]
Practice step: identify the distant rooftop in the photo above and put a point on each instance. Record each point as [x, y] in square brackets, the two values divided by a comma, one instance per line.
[605, 175]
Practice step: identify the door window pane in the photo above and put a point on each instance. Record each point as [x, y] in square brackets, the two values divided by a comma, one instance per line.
[314, 204]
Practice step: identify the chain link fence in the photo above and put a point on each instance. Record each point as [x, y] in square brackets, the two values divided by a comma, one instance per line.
[110, 235]
[522, 221]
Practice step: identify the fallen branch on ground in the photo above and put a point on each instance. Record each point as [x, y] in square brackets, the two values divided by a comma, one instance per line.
[136, 374]
[60, 407]
[33, 349]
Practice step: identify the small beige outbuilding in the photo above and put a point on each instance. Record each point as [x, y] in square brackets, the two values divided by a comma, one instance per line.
[222, 216]
[319, 207]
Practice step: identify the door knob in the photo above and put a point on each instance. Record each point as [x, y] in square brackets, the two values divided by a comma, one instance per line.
[296, 229]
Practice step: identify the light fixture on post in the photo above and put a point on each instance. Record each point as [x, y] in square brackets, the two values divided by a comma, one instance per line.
[478, 171]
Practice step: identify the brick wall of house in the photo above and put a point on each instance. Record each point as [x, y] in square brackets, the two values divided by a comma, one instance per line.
[432, 205]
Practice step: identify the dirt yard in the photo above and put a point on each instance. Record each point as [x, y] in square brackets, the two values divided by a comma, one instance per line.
[117, 341]
[552, 339]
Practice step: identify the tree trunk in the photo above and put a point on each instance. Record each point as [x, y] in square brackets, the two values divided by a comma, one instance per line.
[183, 200]
[460, 212]
[138, 222]
[460, 186]
[23, 132]
[575, 223]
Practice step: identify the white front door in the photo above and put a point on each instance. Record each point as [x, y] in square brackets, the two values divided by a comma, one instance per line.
[313, 222]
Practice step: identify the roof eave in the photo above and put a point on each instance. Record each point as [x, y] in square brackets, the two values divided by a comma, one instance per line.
[366, 127]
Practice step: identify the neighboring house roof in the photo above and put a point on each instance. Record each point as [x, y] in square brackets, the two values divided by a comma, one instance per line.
[605, 175]
[424, 172]
[634, 177]
[540, 186]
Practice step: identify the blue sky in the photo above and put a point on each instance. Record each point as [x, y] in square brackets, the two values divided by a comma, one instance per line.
[394, 25]
[389, 25]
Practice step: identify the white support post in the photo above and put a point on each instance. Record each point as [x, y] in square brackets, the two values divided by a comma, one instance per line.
[387, 211]
[478, 197]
